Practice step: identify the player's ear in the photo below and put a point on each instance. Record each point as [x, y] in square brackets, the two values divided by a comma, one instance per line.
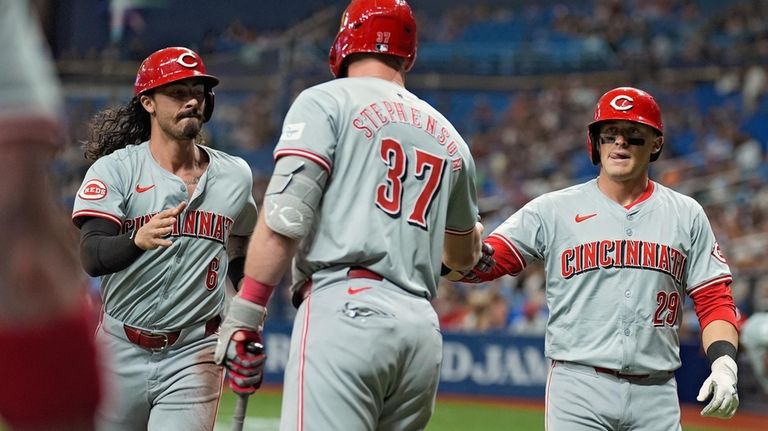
[148, 103]
[658, 142]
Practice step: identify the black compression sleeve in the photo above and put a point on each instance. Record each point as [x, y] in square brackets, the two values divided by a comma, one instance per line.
[236, 271]
[102, 250]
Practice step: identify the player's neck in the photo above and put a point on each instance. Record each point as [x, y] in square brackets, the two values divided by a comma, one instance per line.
[175, 155]
[622, 192]
[372, 68]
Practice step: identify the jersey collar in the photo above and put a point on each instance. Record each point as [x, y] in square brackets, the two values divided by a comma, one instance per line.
[643, 197]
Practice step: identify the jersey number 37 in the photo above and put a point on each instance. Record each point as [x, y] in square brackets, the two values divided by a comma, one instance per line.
[428, 170]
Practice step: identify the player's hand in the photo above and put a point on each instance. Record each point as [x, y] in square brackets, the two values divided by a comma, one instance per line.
[244, 361]
[240, 348]
[484, 265]
[721, 384]
[154, 233]
[486, 262]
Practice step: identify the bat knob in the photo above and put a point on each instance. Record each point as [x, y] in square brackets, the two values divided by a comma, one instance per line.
[254, 348]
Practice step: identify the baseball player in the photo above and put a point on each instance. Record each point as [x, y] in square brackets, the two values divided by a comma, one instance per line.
[42, 288]
[621, 252]
[372, 187]
[163, 220]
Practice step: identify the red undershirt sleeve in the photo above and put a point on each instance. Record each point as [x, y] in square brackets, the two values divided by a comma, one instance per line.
[507, 261]
[714, 303]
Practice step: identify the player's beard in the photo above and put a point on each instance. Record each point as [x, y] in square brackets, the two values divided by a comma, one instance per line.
[190, 127]
[182, 129]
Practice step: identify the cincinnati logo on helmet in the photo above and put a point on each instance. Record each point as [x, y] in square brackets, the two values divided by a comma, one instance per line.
[93, 190]
[622, 102]
[191, 64]
[718, 253]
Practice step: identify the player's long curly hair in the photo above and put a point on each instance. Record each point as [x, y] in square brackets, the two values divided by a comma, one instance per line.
[115, 128]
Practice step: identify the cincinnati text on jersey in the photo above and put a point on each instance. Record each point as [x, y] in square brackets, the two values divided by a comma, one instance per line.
[195, 223]
[377, 114]
[623, 253]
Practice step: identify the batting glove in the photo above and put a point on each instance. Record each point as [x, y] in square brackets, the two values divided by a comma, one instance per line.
[721, 384]
[484, 265]
[486, 262]
[240, 347]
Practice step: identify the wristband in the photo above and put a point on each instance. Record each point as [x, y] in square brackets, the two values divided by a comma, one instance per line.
[255, 291]
[720, 348]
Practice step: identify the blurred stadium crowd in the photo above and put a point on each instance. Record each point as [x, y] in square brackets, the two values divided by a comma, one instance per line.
[520, 82]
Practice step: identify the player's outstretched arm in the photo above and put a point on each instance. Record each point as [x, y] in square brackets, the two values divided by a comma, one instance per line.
[720, 340]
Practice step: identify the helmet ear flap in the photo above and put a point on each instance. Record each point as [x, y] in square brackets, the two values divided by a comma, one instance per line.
[592, 144]
[210, 97]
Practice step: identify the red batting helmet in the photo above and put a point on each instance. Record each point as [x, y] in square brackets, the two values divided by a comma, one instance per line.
[376, 26]
[624, 103]
[174, 64]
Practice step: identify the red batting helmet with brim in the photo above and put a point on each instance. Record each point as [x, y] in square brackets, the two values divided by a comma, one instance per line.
[173, 64]
[624, 103]
[374, 26]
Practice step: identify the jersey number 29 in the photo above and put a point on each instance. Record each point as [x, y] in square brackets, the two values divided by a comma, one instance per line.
[428, 169]
[666, 310]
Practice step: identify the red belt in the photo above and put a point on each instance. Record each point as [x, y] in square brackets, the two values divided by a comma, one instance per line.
[163, 340]
[358, 272]
[354, 272]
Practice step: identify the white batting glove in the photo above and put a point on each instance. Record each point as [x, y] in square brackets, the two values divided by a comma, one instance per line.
[721, 384]
[240, 348]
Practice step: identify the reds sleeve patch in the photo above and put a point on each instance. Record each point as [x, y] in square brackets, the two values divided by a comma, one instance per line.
[718, 254]
[292, 132]
[93, 190]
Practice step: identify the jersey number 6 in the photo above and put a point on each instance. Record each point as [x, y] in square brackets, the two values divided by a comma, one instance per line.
[429, 170]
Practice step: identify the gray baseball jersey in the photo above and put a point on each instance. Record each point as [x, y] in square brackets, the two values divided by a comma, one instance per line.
[366, 349]
[169, 288]
[616, 277]
[401, 176]
[177, 289]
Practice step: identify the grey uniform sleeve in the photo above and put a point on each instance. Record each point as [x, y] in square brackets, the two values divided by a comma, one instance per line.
[309, 129]
[102, 193]
[524, 231]
[707, 264]
[462, 207]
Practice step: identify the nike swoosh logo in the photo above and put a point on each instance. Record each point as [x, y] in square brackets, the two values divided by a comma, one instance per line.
[140, 189]
[355, 291]
[581, 218]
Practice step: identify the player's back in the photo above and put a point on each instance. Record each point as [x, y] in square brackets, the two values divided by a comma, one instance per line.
[395, 163]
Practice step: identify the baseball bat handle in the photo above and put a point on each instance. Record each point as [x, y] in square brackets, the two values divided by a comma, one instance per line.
[254, 348]
[238, 418]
